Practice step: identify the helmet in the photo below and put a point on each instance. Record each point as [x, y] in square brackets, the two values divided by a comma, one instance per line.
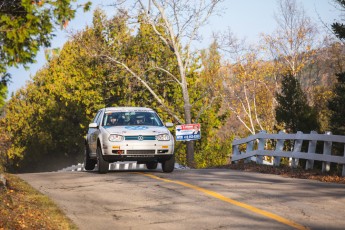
[139, 119]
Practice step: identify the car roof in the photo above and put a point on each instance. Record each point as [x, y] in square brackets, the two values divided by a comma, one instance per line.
[128, 109]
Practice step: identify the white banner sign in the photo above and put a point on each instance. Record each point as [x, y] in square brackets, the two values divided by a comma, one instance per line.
[188, 132]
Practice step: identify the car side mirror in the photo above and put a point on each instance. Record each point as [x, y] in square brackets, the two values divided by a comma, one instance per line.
[93, 125]
[169, 125]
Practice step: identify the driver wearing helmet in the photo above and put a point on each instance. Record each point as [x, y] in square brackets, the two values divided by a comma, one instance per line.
[112, 120]
[139, 120]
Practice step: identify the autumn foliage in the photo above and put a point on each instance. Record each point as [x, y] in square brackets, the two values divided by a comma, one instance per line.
[111, 63]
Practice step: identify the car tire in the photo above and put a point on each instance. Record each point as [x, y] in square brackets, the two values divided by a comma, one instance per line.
[103, 166]
[151, 165]
[89, 164]
[168, 165]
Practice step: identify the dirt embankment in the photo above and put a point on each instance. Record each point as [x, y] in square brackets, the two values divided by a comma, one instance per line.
[287, 171]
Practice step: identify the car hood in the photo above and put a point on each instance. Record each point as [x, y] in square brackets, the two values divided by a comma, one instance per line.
[136, 130]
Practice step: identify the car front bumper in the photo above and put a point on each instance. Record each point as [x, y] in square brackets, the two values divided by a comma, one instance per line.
[138, 151]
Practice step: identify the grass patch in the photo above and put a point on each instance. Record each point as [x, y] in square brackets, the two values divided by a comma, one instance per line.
[22, 207]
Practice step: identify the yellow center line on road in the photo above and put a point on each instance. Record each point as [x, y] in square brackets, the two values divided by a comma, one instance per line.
[231, 201]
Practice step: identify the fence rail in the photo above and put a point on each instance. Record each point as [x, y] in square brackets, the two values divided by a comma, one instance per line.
[256, 145]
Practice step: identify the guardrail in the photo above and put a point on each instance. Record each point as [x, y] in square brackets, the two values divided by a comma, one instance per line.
[256, 145]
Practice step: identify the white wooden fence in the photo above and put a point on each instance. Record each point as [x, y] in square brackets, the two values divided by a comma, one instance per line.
[256, 146]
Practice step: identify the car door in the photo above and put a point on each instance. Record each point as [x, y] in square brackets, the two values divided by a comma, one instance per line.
[93, 133]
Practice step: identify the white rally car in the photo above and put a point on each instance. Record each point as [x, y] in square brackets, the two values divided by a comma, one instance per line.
[128, 134]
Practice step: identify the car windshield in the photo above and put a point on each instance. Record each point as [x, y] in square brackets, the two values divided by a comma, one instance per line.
[131, 119]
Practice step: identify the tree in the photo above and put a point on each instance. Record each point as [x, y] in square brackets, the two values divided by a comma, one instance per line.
[27, 25]
[337, 106]
[339, 27]
[3, 89]
[176, 23]
[50, 115]
[320, 75]
[336, 103]
[248, 93]
[293, 111]
[292, 42]
[206, 94]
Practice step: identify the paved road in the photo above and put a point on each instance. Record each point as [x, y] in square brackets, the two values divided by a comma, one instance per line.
[193, 199]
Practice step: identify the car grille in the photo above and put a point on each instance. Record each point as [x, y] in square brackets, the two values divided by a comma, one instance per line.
[140, 152]
[140, 138]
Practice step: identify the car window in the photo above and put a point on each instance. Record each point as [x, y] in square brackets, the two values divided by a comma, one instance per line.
[131, 119]
[97, 116]
[98, 119]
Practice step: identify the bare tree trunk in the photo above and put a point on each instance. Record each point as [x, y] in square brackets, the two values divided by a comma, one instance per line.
[190, 154]
[188, 120]
[187, 109]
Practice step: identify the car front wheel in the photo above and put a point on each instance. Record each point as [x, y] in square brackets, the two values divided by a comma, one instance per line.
[168, 165]
[89, 164]
[103, 166]
[151, 165]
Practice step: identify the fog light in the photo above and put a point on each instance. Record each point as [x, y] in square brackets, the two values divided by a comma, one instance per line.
[119, 152]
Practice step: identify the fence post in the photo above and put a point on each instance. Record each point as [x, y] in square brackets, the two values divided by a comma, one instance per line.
[297, 148]
[311, 150]
[235, 151]
[249, 148]
[327, 150]
[279, 147]
[261, 146]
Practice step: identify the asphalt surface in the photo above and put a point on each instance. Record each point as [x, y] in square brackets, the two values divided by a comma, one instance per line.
[193, 199]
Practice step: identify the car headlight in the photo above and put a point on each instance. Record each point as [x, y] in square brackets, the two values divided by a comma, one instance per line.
[163, 137]
[115, 138]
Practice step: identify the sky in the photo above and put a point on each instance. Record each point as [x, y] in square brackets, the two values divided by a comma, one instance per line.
[247, 19]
